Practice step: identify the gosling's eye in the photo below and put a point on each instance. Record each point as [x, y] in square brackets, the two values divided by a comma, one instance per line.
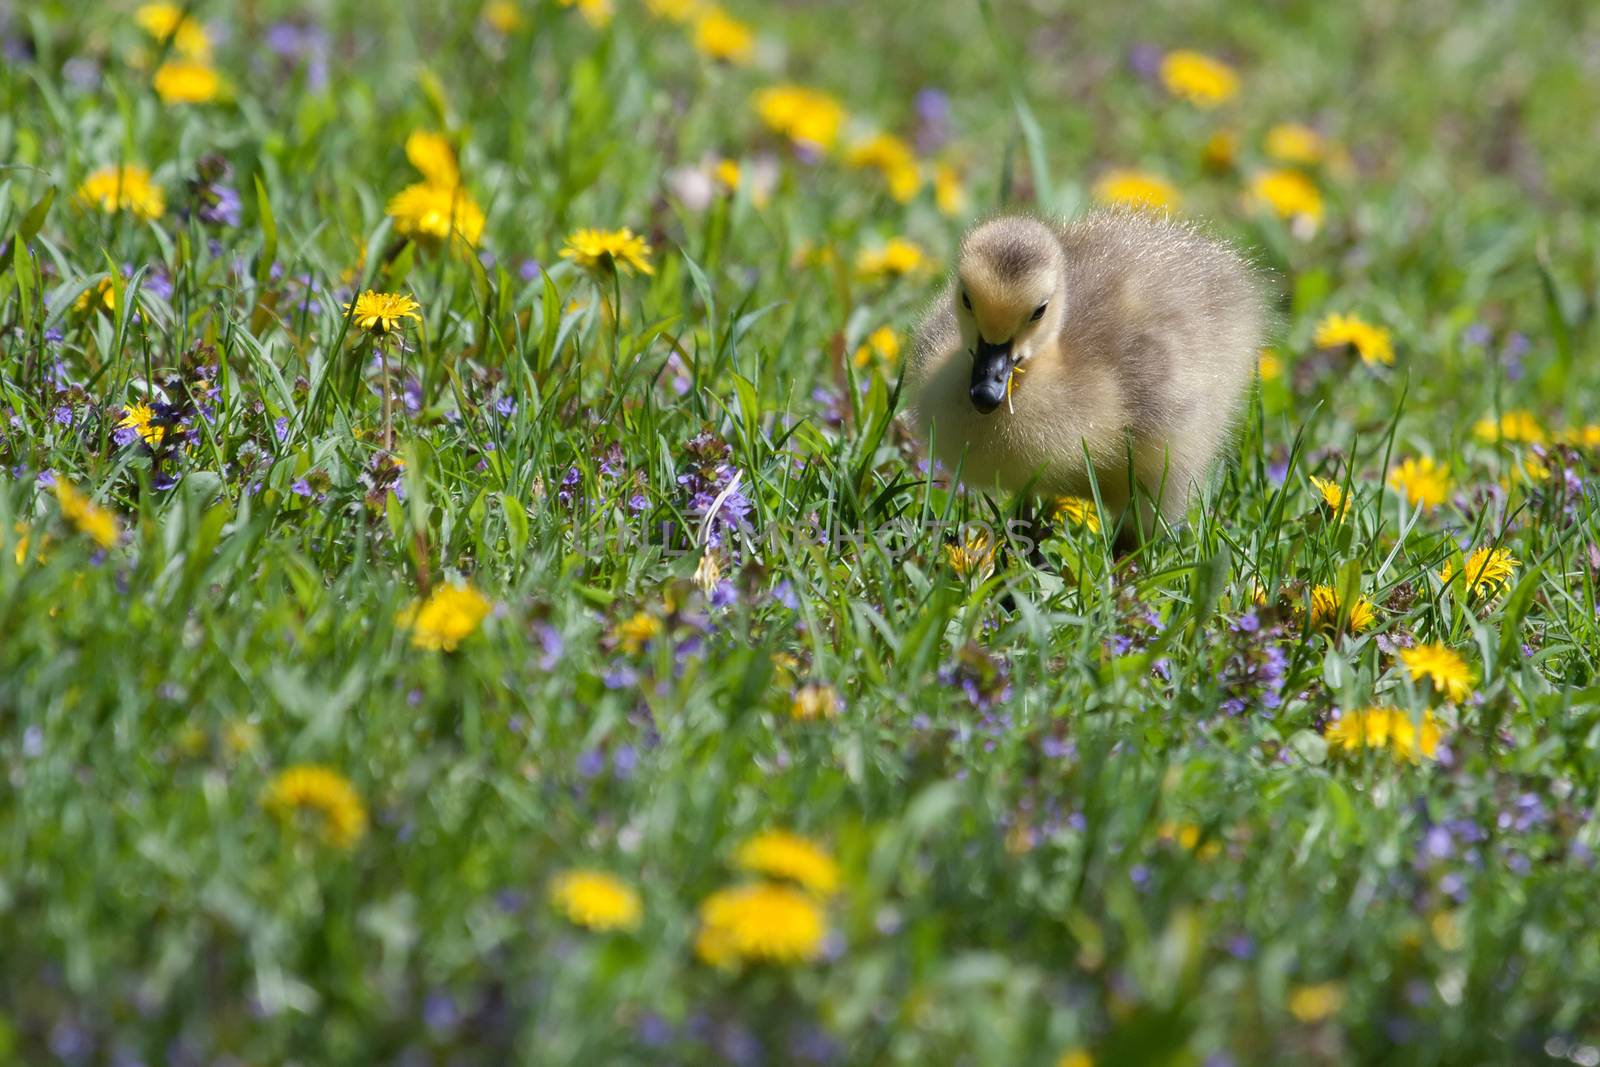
[1038, 313]
[966, 301]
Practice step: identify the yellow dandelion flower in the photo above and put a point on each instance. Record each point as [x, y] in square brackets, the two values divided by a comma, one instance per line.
[1295, 142]
[140, 419]
[89, 518]
[1075, 1058]
[325, 795]
[1423, 481]
[124, 188]
[1390, 728]
[1442, 665]
[1326, 607]
[783, 855]
[503, 16]
[1269, 365]
[814, 701]
[609, 250]
[449, 615]
[892, 157]
[1314, 1003]
[433, 156]
[760, 923]
[430, 213]
[383, 313]
[1221, 150]
[596, 900]
[1529, 470]
[673, 10]
[973, 557]
[1079, 511]
[727, 173]
[162, 21]
[1288, 194]
[1373, 344]
[949, 194]
[632, 634]
[1137, 189]
[718, 35]
[24, 539]
[1486, 570]
[596, 13]
[186, 81]
[102, 294]
[895, 258]
[806, 116]
[882, 344]
[1198, 78]
[1518, 426]
[1333, 495]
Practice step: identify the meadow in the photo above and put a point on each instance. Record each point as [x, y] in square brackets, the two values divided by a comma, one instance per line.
[468, 597]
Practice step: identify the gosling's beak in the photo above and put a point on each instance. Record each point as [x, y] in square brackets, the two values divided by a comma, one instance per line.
[991, 372]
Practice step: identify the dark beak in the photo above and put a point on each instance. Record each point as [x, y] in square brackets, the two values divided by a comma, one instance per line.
[991, 373]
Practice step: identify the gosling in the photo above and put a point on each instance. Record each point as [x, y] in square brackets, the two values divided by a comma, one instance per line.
[1111, 352]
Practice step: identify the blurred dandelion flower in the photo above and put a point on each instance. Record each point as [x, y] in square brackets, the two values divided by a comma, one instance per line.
[892, 157]
[1137, 189]
[808, 117]
[608, 250]
[503, 16]
[596, 13]
[1221, 150]
[949, 195]
[634, 633]
[1288, 194]
[1333, 495]
[973, 557]
[1373, 344]
[1079, 511]
[162, 21]
[783, 855]
[882, 344]
[1519, 426]
[1486, 569]
[1442, 665]
[1387, 727]
[124, 188]
[895, 258]
[433, 156]
[596, 900]
[102, 293]
[1200, 79]
[89, 518]
[185, 81]
[435, 212]
[1326, 607]
[1314, 1003]
[760, 923]
[673, 10]
[449, 615]
[1423, 481]
[1075, 1058]
[718, 35]
[325, 795]
[1269, 365]
[1295, 142]
[381, 314]
[814, 701]
[727, 174]
[139, 418]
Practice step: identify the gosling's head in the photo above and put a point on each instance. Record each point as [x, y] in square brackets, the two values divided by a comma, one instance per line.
[1008, 299]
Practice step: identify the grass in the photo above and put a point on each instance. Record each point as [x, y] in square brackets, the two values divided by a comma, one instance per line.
[1080, 812]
